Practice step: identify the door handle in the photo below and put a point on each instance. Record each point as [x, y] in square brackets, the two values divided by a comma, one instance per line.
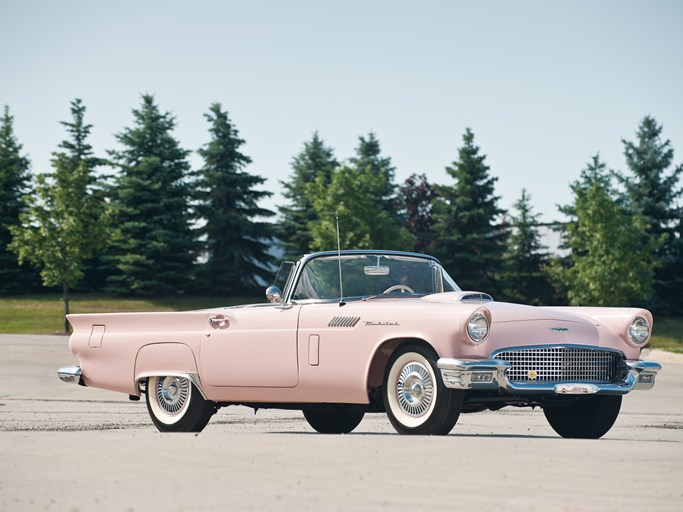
[218, 321]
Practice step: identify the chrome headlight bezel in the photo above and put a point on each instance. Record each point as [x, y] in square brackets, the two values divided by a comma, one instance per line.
[639, 331]
[478, 327]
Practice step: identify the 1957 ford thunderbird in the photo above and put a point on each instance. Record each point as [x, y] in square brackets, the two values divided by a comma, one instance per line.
[355, 332]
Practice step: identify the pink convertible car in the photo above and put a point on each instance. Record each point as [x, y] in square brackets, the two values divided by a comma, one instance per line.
[356, 332]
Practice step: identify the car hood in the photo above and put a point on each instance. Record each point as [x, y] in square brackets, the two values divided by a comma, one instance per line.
[502, 312]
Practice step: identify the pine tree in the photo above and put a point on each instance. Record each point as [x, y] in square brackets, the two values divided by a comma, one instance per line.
[314, 160]
[657, 192]
[526, 258]
[470, 243]
[369, 159]
[364, 224]
[417, 197]
[611, 262]
[155, 248]
[14, 183]
[65, 222]
[236, 242]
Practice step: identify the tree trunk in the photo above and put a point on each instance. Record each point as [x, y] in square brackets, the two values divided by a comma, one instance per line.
[65, 296]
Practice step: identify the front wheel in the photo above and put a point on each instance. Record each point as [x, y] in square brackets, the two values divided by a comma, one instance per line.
[334, 421]
[415, 397]
[175, 405]
[588, 419]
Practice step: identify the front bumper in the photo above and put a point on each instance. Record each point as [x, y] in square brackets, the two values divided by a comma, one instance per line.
[490, 375]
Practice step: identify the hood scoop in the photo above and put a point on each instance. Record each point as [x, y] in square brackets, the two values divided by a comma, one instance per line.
[475, 297]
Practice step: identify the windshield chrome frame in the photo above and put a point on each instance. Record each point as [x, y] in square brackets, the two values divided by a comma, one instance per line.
[298, 268]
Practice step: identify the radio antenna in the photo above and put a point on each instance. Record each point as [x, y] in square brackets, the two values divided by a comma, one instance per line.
[341, 289]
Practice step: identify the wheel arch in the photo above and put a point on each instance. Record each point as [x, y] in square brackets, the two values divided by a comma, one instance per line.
[168, 359]
[382, 354]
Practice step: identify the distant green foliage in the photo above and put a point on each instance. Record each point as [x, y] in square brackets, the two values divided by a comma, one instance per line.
[236, 241]
[314, 161]
[65, 222]
[417, 198]
[369, 159]
[657, 193]
[526, 258]
[364, 223]
[179, 230]
[471, 241]
[14, 183]
[612, 263]
[156, 248]
[360, 193]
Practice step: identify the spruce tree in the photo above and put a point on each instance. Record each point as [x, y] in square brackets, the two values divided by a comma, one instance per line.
[654, 187]
[155, 249]
[471, 243]
[369, 159]
[14, 183]
[364, 223]
[417, 197]
[527, 281]
[611, 262]
[236, 241]
[314, 160]
[65, 222]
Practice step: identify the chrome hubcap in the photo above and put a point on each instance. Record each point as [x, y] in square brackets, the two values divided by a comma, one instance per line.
[415, 389]
[172, 394]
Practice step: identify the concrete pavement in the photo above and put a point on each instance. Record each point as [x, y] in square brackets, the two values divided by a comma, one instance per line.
[69, 448]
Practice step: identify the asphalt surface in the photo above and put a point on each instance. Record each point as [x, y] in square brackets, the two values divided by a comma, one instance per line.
[69, 448]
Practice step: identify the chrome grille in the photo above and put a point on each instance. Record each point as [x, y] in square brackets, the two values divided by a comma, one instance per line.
[561, 364]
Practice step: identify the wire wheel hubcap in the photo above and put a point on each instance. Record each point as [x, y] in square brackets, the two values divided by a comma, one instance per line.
[172, 393]
[415, 389]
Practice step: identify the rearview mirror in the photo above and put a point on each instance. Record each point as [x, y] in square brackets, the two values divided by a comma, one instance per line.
[377, 270]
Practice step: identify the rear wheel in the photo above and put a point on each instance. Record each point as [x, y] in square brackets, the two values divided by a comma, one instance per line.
[588, 419]
[334, 421]
[175, 405]
[415, 397]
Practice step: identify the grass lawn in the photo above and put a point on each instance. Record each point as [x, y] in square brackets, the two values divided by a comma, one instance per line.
[668, 334]
[43, 314]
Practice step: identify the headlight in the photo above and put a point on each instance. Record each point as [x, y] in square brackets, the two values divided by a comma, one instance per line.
[639, 331]
[477, 327]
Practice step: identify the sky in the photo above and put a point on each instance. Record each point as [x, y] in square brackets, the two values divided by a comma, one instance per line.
[544, 85]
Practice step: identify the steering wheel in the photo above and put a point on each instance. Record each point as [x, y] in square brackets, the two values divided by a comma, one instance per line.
[399, 287]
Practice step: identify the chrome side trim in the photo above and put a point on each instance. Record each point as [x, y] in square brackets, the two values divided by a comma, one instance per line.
[489, 374]
[141, 380]
[70, 374]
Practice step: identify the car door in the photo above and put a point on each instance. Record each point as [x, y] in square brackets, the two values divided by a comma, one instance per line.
[251, 347]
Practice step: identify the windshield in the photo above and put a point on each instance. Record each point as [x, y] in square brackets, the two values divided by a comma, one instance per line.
[371, 274]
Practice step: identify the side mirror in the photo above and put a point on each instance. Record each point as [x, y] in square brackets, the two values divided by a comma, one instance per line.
[273, 294]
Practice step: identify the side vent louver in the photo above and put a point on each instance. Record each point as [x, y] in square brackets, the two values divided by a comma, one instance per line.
[344, 321]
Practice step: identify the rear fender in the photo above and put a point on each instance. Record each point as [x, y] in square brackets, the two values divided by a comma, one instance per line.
[166, 359]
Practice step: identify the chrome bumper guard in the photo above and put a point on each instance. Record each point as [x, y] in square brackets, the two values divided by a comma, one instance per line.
[70, 374]
[489, 375]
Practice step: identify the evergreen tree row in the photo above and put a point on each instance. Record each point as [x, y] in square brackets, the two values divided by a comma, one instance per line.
[623, 242]
[152, 227]
[141, 221]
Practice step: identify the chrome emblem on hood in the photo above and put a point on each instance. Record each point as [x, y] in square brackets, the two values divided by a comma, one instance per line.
[559, 329]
